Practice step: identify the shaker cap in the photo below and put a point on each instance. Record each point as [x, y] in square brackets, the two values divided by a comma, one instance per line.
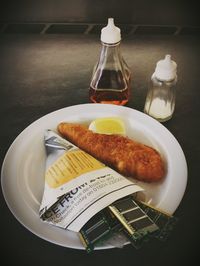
[166, 69]
[110, 34]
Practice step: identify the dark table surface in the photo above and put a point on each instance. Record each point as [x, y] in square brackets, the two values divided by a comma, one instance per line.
[42, 73]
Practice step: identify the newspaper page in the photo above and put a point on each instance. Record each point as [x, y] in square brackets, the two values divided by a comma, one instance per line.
[77, 186]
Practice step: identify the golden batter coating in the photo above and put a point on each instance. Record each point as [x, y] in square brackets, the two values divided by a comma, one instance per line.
[128, 157]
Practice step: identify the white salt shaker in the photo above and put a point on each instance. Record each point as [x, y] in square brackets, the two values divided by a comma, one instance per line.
[160, 100]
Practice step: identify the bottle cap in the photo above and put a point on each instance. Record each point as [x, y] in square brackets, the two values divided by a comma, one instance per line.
[110, 34]
[166, 69]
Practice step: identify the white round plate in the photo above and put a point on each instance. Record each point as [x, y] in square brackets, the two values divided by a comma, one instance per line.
[22, 175]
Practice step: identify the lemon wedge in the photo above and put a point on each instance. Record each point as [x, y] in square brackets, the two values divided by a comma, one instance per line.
[108, 125]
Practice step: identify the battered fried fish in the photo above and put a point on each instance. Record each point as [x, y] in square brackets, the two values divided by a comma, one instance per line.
[126, 156]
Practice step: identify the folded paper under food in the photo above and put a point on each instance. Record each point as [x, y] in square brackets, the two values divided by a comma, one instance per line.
[77, 186]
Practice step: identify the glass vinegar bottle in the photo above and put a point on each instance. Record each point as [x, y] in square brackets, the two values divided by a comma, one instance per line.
[111, 77]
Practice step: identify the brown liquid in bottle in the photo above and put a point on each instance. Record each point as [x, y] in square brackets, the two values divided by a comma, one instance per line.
[111, 88]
